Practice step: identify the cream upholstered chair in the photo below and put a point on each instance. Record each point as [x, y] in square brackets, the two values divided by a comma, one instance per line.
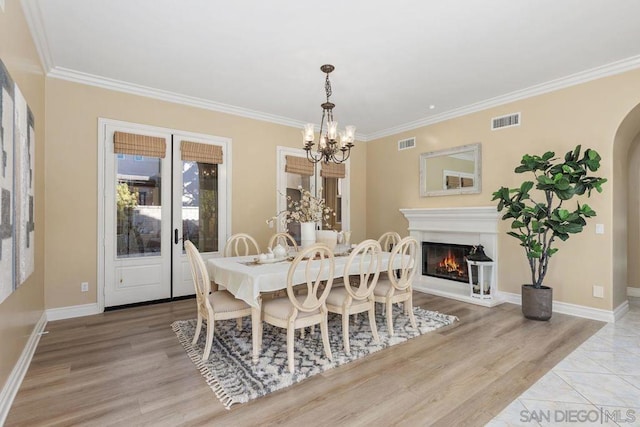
[388, 240]
[241, 244]
[398, 286]
[356, 296]
[284, 239]
[313, 270]
[212, 306]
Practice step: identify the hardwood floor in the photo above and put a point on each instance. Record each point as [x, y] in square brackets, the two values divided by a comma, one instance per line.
[127, 367]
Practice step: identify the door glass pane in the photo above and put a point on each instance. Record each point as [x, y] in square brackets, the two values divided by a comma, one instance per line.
[200, 205]
[332, 194]
[294, 182]
[138, 205]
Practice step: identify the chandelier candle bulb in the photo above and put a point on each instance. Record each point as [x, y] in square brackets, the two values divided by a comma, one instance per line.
[308, 132]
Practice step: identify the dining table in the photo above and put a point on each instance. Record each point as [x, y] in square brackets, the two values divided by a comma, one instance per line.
[247, 278]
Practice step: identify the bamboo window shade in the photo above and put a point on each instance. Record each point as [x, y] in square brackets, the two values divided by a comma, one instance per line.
[467, 182]
[201, 153]
[139, 145]
[333, 170]
[298, 165]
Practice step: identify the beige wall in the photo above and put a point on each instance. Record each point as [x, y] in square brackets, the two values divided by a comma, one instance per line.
[587, 114]
[72, 128]
[23, 308]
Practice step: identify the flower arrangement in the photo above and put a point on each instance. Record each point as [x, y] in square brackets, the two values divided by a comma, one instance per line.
[308, 209]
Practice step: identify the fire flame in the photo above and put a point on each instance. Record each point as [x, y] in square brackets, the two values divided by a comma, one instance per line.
[449, 263]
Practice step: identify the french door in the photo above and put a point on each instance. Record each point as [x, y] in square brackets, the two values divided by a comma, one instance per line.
[160, 188]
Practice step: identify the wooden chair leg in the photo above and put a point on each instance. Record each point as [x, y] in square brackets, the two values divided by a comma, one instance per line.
[207, 347]
[390, 318]
[345, 332]
[409, 305]
[324, 329]
[291, 332]
[198, 330]
[372, 322]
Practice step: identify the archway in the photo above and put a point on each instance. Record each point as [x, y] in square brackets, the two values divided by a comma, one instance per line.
[626, 206]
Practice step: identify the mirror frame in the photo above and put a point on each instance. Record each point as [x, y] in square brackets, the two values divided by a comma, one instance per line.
[475, 149]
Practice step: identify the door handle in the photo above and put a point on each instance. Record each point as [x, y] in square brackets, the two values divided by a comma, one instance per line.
[175, 236]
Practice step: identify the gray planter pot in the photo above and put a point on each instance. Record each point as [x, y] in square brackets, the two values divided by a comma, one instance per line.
[537, 302]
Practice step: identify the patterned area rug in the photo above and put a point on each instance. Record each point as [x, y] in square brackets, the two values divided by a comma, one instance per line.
[235, 379]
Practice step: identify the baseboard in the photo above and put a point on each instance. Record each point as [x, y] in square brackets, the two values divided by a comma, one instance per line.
[72, 311]
[573, 309]
[10, 389]
[633, 292]
[621, 310]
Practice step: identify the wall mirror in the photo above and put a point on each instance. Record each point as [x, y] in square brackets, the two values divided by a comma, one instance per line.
[451, 171]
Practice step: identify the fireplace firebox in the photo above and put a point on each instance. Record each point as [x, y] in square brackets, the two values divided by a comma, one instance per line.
[445, 261]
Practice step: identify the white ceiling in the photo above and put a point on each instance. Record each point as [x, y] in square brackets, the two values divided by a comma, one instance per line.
[393, 59]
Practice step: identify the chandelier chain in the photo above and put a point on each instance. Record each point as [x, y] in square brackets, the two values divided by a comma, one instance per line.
[327, 87]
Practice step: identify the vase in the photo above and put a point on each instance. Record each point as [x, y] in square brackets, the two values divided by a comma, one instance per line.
[328, 237]
[307, 234]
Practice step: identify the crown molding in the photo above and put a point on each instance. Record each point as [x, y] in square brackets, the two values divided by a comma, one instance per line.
[163, 95]
[33, 16]
[550, 86]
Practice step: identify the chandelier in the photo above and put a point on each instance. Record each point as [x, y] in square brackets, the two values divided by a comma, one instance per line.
[333, 146]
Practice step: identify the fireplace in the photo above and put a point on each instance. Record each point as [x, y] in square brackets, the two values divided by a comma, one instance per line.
[445, 260]
[455, 229]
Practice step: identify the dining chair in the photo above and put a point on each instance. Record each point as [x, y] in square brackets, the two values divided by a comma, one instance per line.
[241, 244]
[283, 238]
[388, 240]
[312, 269]
[356, 296]
[398, 287]
[212, 306]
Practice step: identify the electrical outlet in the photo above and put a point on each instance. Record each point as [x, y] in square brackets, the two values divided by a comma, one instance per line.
[84, 286]
[598, 291]
[599, 228]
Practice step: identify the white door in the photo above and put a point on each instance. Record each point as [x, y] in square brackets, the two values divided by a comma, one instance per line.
[152, 201]
[199, 205]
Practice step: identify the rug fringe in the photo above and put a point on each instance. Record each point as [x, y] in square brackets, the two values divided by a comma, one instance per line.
[196, 358]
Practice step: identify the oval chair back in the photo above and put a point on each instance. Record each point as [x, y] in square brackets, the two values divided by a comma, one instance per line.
[284, 239]
[389, 240]
[404, 255]
[311, 271]
[369, 259]
[241, 244]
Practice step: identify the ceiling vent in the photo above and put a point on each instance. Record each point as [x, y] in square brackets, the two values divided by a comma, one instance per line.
[507, 121]
[405, 144]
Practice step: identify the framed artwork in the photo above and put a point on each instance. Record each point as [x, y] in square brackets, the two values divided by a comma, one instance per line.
[24, 166]
[17, 185]
[7, 259]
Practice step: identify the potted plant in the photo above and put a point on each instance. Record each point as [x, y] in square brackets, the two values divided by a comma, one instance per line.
[540, 218]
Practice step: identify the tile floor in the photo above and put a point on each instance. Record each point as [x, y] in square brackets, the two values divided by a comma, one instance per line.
[597, 384]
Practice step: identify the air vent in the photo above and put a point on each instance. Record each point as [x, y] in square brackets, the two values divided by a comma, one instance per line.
[405, 144]
[507, 121]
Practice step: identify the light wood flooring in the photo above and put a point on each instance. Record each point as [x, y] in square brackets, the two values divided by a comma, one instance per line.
[127, 368]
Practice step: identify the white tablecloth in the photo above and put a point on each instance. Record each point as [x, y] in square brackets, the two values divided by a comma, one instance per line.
[248, 281]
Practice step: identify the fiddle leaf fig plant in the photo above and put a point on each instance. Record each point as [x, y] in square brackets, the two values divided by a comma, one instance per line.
[539, 216]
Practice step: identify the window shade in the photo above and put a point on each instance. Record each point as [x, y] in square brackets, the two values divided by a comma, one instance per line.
[139, 145]
[201, 153]
[333, 170]
[298, 165]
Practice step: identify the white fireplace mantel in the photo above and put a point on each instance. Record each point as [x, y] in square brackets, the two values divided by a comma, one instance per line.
[466, 226]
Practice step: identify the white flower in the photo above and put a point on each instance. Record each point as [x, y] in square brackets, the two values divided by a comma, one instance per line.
[308, 209]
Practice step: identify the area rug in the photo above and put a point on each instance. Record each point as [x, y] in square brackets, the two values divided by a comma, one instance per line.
[233, 377]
